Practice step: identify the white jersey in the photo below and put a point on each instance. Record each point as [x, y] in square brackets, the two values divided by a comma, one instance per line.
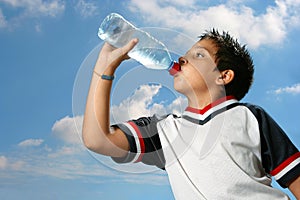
[228, 150]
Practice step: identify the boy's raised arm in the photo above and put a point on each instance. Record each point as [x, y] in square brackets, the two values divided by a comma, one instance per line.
[96, 125]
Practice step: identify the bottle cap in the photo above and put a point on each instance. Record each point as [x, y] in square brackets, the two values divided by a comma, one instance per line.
[174, 69]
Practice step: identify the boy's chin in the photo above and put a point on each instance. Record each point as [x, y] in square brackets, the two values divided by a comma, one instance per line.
[180, 90]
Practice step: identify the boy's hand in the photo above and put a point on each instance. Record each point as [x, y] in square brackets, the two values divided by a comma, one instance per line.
[110, 57]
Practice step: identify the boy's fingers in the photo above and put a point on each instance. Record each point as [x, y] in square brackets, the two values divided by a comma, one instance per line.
[130, 45]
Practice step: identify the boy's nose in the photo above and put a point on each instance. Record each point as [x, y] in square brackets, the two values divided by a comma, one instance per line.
[182, 60]
[177, 66]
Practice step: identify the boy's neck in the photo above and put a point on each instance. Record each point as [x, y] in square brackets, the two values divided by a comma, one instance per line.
[209, 106]
[201, 103]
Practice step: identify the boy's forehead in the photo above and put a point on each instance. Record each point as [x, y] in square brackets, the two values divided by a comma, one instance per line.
[206, 44]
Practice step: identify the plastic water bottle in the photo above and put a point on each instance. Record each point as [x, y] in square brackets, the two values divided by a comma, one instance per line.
[149, 51]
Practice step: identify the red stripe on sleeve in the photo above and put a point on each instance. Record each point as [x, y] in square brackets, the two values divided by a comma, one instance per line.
[141, 140]
[285, 164]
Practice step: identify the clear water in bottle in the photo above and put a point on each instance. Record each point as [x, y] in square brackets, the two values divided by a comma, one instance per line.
[149, 51]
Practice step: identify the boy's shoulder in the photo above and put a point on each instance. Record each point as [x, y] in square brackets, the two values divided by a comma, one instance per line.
[256, 110]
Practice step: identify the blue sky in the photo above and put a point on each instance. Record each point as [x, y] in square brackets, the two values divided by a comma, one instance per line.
[47, 51]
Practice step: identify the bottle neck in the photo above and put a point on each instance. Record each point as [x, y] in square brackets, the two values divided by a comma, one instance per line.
[174, 68]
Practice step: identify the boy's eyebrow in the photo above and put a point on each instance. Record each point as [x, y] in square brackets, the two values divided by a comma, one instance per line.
[202, 47]
[210, 52]
[198, 47]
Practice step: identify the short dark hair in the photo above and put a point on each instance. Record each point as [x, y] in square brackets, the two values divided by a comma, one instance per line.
[231, 55]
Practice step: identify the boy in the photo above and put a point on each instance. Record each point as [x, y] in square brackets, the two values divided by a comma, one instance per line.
[219, 148]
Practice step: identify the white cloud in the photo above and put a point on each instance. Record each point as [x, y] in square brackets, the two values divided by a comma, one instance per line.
[68, 129]
[31, 142]
[6, 164]
[177, 106]
[3, 21]
[65, 151]
[38, 7]
[63, 166]
[17, 166]
[270, 27]
[67, 162]
[70, 160]
[3, 162]
[136, 105]
[26, 9]
[38, 28]
[294, 89]
[141, 103]
[86, 9]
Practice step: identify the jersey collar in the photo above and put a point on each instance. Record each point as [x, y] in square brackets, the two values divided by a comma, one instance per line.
[216, 106]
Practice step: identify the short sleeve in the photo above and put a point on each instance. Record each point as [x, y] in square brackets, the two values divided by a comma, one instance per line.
[280, 157]
[144, 142]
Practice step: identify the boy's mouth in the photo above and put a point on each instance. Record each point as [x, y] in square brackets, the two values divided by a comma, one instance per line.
[175, 68]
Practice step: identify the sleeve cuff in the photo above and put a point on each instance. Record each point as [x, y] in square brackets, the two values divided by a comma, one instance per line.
[287, 171]
[134, 154]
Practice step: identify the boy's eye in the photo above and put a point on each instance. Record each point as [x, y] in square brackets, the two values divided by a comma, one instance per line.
[199, 55]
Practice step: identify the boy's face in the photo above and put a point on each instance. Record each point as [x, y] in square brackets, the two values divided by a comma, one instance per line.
[198, 73]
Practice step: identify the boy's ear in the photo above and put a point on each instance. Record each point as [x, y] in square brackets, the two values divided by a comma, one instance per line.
[225, 77]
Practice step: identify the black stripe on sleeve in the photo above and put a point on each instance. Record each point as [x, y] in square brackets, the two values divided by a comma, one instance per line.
[153, 154]
[153, 150]
[132, 145]
[276, 147]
